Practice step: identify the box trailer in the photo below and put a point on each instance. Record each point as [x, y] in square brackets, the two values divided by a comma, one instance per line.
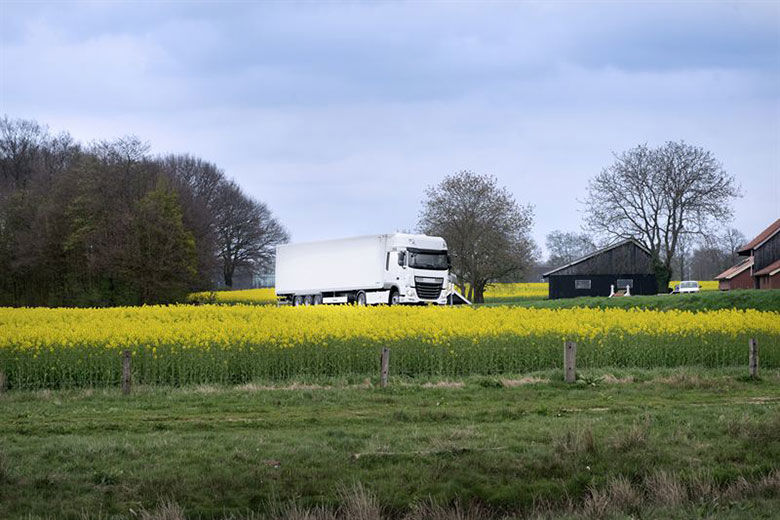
[392, 269]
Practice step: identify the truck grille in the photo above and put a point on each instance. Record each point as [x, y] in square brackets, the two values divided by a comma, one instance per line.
[430, 289]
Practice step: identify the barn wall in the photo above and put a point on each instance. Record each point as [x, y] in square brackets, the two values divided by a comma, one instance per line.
[562, 286]
[767, 253]
[743, 280]
[769, 282]
[627, 258]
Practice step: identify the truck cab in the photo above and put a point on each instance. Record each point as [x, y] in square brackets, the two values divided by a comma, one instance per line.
[417, 269]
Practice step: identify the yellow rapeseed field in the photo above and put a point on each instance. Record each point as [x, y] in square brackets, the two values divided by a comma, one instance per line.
[213, 343]
[705, 285]
[261, 296]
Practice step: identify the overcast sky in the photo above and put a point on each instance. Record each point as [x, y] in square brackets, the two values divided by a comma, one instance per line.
[339, 114]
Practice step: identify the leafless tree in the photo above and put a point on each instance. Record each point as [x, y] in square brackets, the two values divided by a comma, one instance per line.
[659, 195]
[21, 142]
[486, 230]
[567, 246]
[246, 231]
[716, 253]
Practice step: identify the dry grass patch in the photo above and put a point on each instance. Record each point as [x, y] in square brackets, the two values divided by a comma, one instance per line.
[687, 381]
[444, 384]
[665, 489]
[523, 381]
[576, 442]
[166, 510]
[612, 380]
[254, 387]
[634, 437]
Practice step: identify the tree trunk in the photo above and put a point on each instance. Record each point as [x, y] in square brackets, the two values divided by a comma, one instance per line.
[228, 273]
[471, 292]
[479, 293]
[663, 273]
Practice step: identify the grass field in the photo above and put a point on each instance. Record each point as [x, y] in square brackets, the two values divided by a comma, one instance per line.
[703, 301]
[641, 444]
[180, 345]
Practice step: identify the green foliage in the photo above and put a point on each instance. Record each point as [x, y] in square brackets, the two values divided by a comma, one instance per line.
[160, 260]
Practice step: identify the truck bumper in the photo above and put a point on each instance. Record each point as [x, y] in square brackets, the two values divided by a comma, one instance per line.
[413, 299]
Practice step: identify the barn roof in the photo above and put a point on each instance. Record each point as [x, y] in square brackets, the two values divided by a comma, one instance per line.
[596, 253]
[734, 270]
[761, 238]
[772, 269]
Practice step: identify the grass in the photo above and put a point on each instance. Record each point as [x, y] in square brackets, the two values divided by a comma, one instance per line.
[766, 300]
[649, 443]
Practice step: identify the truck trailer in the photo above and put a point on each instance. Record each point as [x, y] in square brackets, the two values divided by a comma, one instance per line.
[391, 269]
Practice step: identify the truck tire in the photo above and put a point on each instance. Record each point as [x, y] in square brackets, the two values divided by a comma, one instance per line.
[395, 298]
[317, 299]
[298, 300]
[360, 299]
[307, 300]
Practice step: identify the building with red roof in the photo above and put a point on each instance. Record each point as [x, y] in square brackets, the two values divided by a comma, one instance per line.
[761, 268]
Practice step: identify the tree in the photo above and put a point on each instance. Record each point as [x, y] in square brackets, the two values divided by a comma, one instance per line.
[246, 231]
[197, 183]
[487, 231]
[160, 259]
[659, 195]
[716, 253]
[566, 246]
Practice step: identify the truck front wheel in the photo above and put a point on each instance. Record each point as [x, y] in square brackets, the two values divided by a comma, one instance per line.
[360, 299]
[395, 298]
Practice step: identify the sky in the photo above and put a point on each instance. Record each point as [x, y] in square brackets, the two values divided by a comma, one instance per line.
[338, 115]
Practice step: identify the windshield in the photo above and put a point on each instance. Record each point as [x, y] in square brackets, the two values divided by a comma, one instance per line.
[428, 260]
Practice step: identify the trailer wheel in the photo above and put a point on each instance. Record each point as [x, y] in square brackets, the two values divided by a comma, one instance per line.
[307, 300]
[395, 298]
[317, 299]
[298, 300]
[360, 299]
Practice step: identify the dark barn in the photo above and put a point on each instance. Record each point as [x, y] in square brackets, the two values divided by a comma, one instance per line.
[625, 264]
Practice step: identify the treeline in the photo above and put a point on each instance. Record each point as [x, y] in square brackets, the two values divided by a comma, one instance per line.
[107, 224]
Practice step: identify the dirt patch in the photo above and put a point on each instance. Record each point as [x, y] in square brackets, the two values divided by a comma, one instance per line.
[523, 381]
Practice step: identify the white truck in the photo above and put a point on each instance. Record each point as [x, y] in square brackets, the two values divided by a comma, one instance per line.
[389, 269]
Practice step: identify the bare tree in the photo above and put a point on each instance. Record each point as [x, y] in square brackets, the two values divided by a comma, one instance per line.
[246, 231]
[716, 253]
[659, 195]
[567, 246]
[487, 231]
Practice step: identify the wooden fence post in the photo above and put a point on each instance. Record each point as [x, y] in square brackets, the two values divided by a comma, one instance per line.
[126, 379]
[569, 361]
[385, 367]
[753, 362]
